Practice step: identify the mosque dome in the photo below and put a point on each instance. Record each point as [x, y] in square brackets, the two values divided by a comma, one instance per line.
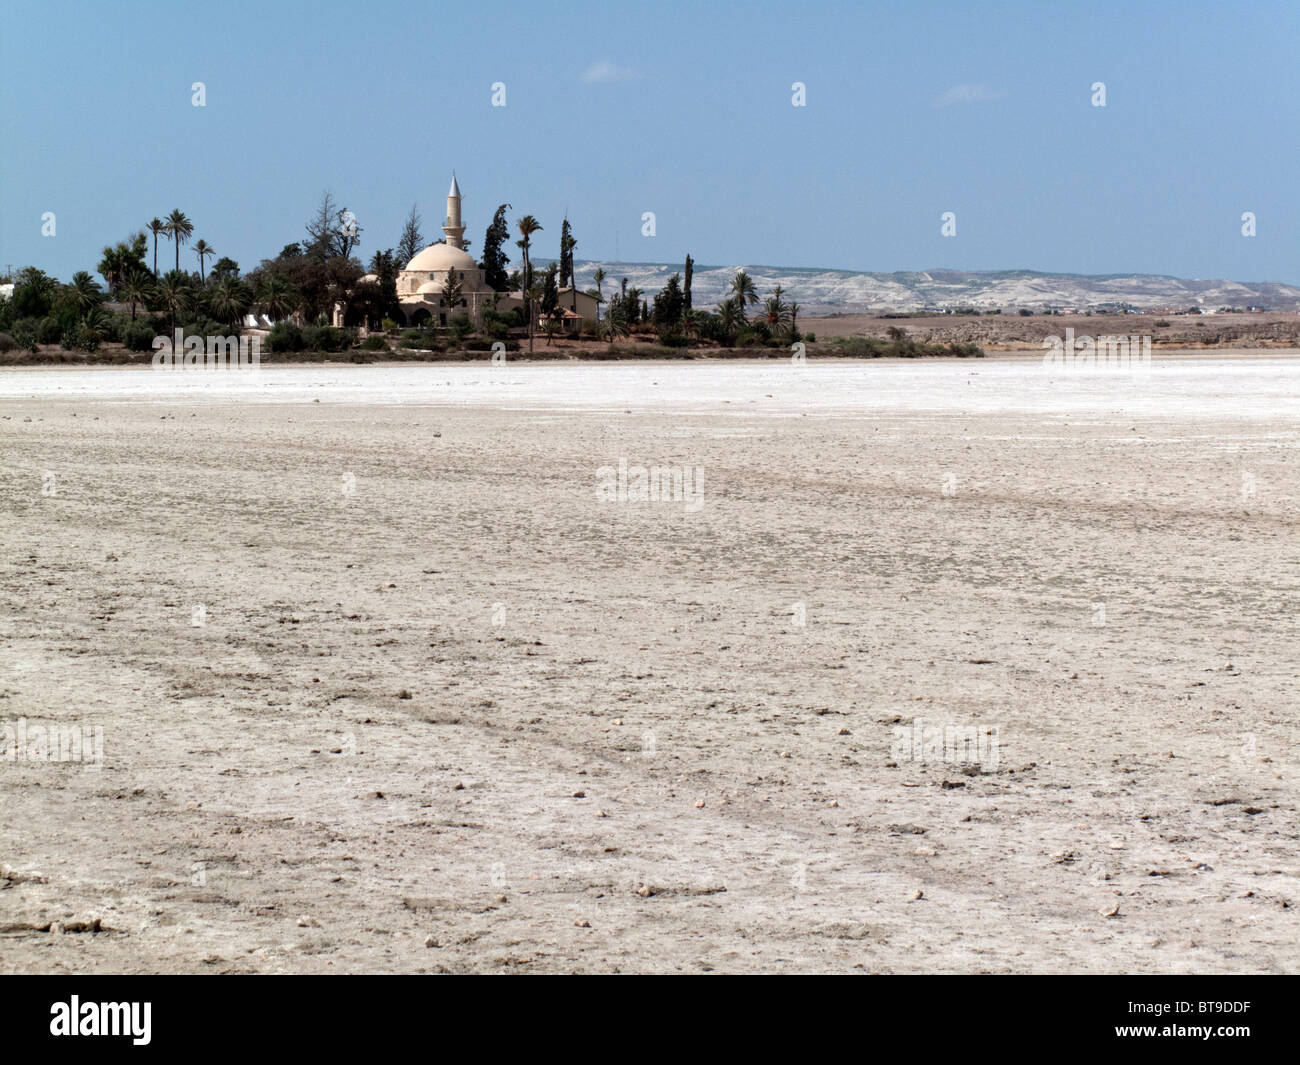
[429, 286]
[442, 257]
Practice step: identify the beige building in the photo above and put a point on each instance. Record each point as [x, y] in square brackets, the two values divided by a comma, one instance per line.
[421, 282]
[574, 307]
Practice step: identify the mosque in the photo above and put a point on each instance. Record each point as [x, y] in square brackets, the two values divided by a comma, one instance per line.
[420, 283]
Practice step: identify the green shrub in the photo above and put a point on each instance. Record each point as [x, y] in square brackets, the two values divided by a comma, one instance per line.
[7, 344]
[24, 334]
[497, 324]
[82, 338]
[858, 347]
[875, 348]
[138, 336]
[422, 339]
[284, 336]
[328, 338]
[374, 343]
[459, 329]
[116, 327]
[49, 331]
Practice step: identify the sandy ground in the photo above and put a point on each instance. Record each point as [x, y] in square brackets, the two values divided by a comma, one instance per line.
[621, 750]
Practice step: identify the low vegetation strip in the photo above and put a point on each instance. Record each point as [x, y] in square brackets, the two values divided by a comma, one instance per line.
[899, 346]
[843, 348]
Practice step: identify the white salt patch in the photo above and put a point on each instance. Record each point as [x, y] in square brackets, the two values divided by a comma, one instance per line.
[1245, 388]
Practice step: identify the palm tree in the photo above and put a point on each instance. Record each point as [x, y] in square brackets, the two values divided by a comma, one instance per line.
[230, 300]
[528, 225]
[794, 319]
[690, 324]
[615, 324]
[731, 316]
[551, 326]
[155, 227]
[92, 327]
[136, 289]
[202, 248]
[174, 290]
[535, 294]
[41, 291]
[599, 278]
[112, 265]
[775, 313]
[742, 288]
[180, 229]
[276, 297]
[85, 292]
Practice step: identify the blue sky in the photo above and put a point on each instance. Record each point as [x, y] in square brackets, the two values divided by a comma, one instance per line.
[683, 109]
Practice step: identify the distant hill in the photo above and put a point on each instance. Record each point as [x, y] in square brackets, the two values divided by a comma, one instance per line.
[822, 292]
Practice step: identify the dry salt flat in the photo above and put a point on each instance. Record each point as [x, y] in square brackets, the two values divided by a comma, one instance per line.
[961, 666]
[1226, 386]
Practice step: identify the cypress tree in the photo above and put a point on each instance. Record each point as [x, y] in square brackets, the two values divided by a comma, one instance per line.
[494, 256]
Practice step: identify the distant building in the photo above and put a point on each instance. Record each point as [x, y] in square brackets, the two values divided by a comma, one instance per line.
[421, 283]
[574, 307]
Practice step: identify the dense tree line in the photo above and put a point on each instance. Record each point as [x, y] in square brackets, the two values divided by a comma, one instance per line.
[313, 276]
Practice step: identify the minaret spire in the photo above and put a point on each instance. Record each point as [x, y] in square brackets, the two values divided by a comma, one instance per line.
[453, 228]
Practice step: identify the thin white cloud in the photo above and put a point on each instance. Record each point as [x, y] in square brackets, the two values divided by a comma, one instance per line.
[967, 94]
[605, 71]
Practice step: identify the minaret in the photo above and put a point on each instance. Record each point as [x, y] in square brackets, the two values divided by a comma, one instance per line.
[452, 227]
